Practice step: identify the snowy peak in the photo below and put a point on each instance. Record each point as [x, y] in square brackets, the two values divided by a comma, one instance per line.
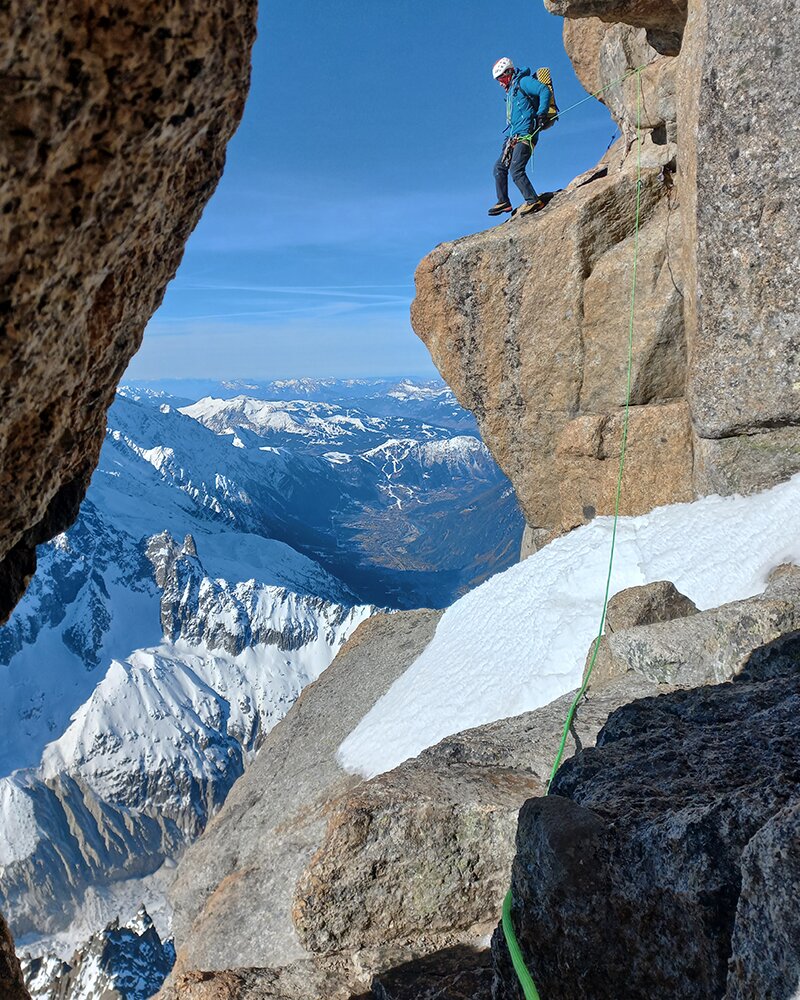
[154, 750]
[128, 962]
[408, 390]
[286, 422]
[154, 744]
[199, 610]
[223, 416]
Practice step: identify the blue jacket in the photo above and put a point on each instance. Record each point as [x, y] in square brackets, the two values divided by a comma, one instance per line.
[525, 99]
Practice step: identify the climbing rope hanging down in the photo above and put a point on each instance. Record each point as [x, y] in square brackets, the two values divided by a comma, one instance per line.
[517, 959]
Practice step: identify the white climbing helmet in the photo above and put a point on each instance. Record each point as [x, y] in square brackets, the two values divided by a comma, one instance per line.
[501, 67]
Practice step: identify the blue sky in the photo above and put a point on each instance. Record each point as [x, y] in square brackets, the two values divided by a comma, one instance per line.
[369, 137]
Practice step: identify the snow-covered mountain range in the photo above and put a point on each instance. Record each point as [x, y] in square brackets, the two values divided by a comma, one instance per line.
[405, 512]
[226, 550]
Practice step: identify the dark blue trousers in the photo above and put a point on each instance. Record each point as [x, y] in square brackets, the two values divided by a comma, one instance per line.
[522, 153]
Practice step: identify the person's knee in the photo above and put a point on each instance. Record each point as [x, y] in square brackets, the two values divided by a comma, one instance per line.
[518, 172]
[500, 170]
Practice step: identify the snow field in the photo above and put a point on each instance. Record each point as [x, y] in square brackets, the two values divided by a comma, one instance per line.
[520, 640]
[19, 831]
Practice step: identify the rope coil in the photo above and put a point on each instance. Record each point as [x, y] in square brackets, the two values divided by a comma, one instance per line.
[517, 959]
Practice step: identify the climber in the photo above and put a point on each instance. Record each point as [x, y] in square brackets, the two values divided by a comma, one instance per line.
[527, 103]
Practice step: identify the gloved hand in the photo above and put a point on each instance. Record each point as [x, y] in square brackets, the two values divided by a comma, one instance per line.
[539, 123]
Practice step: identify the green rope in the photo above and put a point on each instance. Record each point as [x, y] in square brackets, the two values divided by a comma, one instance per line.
[608, 86]
[517, 960]
[524, 976]
[576, 701]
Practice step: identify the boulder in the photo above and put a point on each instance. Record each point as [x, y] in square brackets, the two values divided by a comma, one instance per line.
[242, 872]
[653, 602]
[114, 128]
[707, 647]
[404, 854]
[416, 861]
[12, 986]
[628, 877]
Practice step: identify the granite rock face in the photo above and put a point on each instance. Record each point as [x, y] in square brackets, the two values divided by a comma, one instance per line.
[667, 15]
[669, 832]
[541, 362]
[527, 321]
[765, 958]
[740, 157]
[113, 130]
[242, 872]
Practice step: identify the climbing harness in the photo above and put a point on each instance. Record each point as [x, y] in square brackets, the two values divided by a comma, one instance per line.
[517, 959]
[508, 150]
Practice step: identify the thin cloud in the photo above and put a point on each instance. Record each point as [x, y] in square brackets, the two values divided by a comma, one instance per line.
[329, 310]
[326, 291]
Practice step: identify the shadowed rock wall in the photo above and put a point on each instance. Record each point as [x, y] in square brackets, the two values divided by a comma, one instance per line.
[113, 130]
[664, 860]
[11, 983]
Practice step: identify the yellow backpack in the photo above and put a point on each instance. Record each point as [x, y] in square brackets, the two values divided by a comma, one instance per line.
[544, 76]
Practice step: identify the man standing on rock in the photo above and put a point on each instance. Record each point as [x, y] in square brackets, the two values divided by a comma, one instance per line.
[527, 101]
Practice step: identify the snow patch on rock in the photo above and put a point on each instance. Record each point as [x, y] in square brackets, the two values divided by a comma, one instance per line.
[519, 641]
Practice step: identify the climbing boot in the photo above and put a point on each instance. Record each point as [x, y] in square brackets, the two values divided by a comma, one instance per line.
[500, 207]
[531, 206]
